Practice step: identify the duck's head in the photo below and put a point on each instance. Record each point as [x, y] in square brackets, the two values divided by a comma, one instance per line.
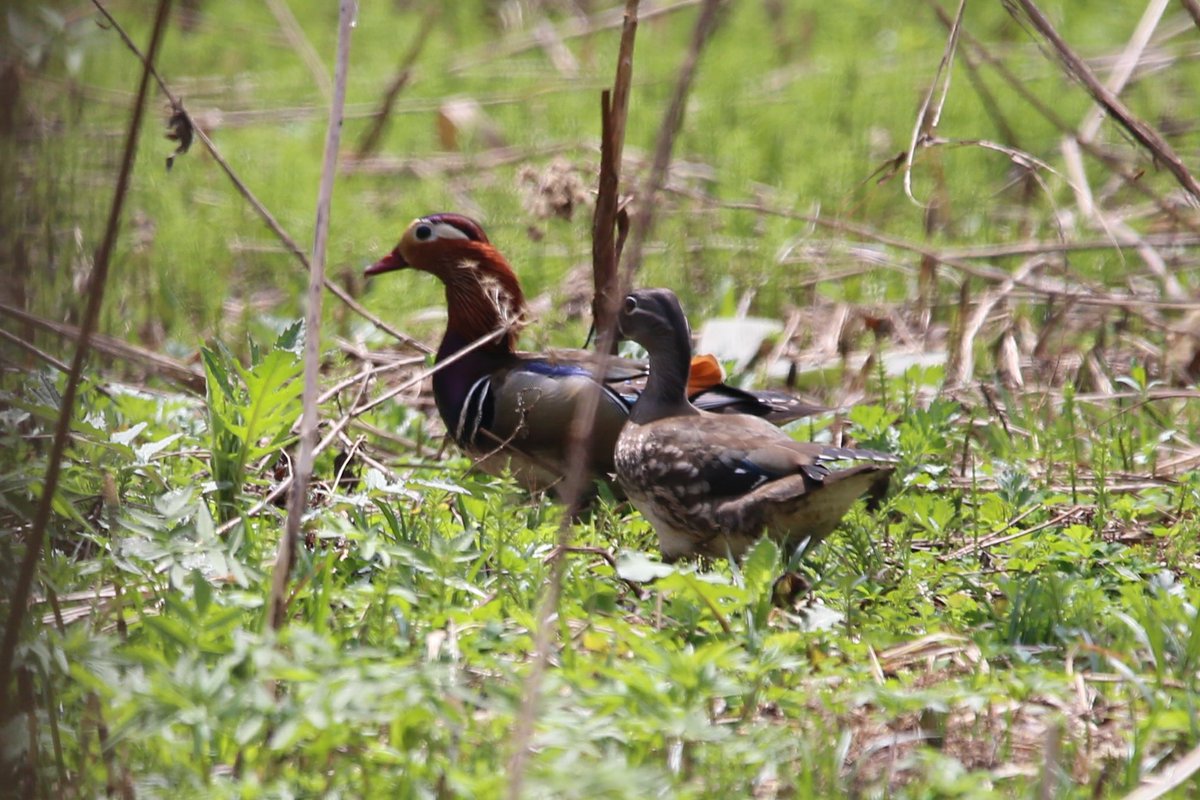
[482, 291]
[654, 319]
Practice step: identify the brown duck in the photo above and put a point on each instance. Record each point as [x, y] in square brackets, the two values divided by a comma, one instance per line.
[712, 484]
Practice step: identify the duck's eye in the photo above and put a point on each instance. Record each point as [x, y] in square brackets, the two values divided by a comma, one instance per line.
[423, 233]
[630, 304]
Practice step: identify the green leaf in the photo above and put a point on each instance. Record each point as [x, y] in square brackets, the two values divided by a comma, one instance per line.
[202, 590]
[290, 338]
[761, 567]
[127, 436]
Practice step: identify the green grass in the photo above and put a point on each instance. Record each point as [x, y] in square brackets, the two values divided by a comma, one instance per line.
[1061, 661]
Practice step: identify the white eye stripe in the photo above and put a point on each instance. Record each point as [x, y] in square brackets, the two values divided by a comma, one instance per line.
[444, 230]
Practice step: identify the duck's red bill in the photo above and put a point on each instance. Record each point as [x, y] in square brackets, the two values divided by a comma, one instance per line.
[389, 263]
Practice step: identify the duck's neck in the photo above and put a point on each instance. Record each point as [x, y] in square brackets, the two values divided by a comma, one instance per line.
[472, 316]
[665, 394]
[453, 382]
[483, 297]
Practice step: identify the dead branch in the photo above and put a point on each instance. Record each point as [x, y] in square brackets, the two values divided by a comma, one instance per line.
[1193, 8]
[962, 362]
[301, 45]
[36, 536]
[575, 29]
[614, 113]
[156, 363]
[276, 606]
[267, 217]
[371, 136]
[643, 223]
[1130, 176]
[1167, 778]
[1146, 135]
[1136, 305]
[929, 114]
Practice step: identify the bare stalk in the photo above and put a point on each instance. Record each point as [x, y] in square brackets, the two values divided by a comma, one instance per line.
[95, 294]
[370, 138]
[156, 363]
[613, 118]
[930, 114]
[1146, 135]
[1131, 176]
[347, 10]
[295, 35]
[1193, 9]
[643, 222]
[1172, 776]
[263, 212]
[614, 113]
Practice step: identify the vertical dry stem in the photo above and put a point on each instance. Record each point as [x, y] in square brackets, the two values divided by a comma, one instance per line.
[277, 608]
[95, 295]
[613, 124]
[614, 113]
[643, 222]
[370, 138]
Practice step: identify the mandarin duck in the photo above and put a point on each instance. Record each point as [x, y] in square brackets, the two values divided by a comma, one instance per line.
[506, 408]
[711, 484]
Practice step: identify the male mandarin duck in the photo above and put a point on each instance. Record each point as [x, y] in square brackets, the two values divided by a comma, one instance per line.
[711, 484]
[508, 408]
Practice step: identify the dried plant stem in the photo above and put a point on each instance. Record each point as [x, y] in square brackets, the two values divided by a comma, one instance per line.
[370, 138]
[1146, 135]
[961, 366]
[1072, 146]
[95, 295]
[930, 114]
[643, 222]
[614, 113]
[585, 416]
[1131, 176]
[1062, 291]
[152, 362]
[267, 217]
[21, 344]
[1030, 248]
[1193, 8]
[1123, 70]
[574, 29]
[347, 9]
[300, 43]
[1170, 777]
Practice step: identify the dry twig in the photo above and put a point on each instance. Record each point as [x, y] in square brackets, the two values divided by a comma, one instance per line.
[371, 136]
[1193, 9]
[643, 222]
[1146, 135]
[929, 115]
[300, 43]
[614, 112]
[36, 535]
[962, 361]
[1169, 777]
[276, 608]
[152, 362]
[267, 217]
[1129, 175]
